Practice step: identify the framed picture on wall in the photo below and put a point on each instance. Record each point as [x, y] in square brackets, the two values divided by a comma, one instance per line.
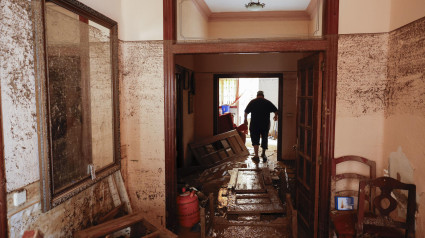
[190, 102]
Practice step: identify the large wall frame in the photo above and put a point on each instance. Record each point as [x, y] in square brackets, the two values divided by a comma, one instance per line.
[328, 44]
[48, 199]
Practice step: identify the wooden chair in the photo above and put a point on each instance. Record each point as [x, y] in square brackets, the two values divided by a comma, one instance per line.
[344, 221]
[384, 220]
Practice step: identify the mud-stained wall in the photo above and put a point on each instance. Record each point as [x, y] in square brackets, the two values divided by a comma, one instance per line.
[17, 74]
[79, 212]
[142, 126]
[361, 96]
[18, 93]
[405, 115]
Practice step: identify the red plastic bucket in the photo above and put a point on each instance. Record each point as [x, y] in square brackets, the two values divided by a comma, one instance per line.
[188, 209]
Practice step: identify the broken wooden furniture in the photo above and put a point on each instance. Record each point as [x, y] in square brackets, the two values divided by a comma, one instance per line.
[140, 227]
[218, 149]
[251, 191]
[385, 220]
[225, 123]
[345, 184]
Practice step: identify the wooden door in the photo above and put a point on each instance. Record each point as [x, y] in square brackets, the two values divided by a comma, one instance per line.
[309, 98]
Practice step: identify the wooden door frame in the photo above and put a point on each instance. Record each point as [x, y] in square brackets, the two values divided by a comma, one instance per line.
[328, 44]
[280, 76]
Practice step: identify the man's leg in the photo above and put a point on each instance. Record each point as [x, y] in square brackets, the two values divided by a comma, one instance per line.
[255, 139]
[264, 143]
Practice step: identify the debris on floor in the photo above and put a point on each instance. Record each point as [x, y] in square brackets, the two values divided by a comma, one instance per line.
[246, 199]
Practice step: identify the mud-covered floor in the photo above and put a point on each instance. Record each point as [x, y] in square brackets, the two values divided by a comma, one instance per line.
[225, 225]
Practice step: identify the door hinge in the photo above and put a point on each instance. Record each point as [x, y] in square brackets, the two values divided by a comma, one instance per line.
[320, 159]
[322, 66]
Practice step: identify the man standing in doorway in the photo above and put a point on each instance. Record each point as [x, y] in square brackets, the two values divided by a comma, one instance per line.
[260, 109]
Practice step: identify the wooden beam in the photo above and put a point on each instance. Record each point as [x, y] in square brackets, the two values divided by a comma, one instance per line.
[330, 29]
[252, 46]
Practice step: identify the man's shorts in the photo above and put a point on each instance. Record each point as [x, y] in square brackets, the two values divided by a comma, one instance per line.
[255, 137]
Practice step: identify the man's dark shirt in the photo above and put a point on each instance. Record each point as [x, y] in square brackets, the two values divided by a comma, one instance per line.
[260, 109]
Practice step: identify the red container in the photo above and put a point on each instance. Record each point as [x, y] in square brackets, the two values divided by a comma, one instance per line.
[188, 209]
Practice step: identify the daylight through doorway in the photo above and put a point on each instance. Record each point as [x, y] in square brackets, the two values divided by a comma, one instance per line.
[234, 94]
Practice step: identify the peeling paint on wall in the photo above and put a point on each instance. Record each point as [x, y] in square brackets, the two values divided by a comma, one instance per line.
[77, 213]
[142, 126]
[406, 67]
[405, 114]
[18, 93]
[362, 74]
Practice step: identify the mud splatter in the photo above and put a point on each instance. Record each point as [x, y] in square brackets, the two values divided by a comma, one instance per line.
[142, 125]
[18, 93]
[362, 74]
[78, 213]
[406, 70]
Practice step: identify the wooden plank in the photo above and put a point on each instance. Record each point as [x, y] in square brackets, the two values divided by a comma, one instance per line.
[203, 225]
[119, 184]
[250, 181]
[110, 226]
[267, 177]
[121, 223]
[110, 215]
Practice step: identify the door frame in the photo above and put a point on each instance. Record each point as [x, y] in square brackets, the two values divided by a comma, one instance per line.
[328, 44]
[280, 77]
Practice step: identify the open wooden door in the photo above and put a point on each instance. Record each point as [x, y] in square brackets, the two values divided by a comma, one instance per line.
[309, 98]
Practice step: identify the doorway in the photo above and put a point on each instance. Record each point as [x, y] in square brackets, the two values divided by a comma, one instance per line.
[233, 92]
[329, 91]
[208, 73]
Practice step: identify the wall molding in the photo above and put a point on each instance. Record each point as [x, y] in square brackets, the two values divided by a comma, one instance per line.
[257, 16]
[260, 16]
[311, 8]
[203, 8]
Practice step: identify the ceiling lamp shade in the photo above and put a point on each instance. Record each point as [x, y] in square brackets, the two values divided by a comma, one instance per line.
[255, 6]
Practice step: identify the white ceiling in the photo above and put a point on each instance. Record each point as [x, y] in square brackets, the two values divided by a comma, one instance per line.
[271, 5]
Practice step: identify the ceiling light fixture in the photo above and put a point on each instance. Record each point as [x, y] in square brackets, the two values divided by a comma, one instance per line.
[255, 6]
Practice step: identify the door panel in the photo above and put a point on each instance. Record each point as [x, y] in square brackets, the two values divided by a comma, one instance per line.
[308, 140]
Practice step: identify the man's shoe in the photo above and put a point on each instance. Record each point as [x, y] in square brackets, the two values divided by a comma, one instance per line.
[264, 158]
[256, 159]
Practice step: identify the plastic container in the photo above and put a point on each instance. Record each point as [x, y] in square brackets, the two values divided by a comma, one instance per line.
[188, 209]
[225, 109]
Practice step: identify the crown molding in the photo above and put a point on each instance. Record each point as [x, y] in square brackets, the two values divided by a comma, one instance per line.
[203, 8]
[311, 7]
[258, 16]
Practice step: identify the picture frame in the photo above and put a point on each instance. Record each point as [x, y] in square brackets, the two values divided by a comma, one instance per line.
[344, 203]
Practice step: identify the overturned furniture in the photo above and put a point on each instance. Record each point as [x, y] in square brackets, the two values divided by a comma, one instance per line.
[219, 148]
[140, 227]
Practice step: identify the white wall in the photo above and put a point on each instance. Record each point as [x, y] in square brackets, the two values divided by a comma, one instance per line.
[191, 23]
[404, 12]
[142, 20]
[364, 16]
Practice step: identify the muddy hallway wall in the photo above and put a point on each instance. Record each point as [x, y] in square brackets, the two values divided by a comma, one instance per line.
[405, 113]
[18, 24]
[142, 108]
[380, 90]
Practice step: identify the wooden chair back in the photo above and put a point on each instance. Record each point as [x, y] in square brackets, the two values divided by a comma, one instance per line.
[351, 176]
[384, 220]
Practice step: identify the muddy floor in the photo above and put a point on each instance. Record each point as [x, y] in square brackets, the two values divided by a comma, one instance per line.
[215, 179]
